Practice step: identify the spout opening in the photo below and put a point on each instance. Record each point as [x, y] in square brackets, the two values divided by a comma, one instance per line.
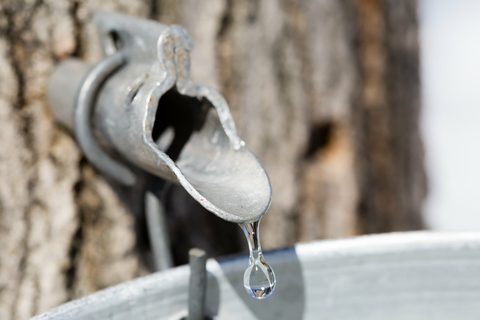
[230, 183]
[176, 118]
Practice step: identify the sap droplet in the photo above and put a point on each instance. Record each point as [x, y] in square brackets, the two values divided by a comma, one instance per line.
[259, 278]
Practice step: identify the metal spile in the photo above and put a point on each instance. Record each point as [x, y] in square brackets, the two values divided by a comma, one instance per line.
[138, 107]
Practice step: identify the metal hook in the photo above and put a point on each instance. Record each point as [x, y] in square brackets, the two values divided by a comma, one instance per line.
[82, 115]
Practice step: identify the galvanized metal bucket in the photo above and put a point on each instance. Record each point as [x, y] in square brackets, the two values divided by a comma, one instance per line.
[419, 275]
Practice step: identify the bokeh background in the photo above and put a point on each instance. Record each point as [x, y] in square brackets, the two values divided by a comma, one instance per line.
[450, 57]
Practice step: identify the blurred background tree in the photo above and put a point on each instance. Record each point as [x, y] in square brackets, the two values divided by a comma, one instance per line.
[325, 93]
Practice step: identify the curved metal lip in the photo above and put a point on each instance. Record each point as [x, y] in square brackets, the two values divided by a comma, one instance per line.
[204, 200]
[196, 90]
[320, 250]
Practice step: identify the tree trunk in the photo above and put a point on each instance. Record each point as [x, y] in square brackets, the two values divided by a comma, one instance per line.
[325, 93]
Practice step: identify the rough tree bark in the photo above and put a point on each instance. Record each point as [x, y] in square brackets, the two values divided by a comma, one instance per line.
[325, 93]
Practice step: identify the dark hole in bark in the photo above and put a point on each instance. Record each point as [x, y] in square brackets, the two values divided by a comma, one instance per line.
[320, 136]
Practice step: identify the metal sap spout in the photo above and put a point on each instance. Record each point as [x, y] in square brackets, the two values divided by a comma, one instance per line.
[138, 108]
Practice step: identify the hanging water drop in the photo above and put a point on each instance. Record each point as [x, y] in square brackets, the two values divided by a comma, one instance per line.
[259, 278]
